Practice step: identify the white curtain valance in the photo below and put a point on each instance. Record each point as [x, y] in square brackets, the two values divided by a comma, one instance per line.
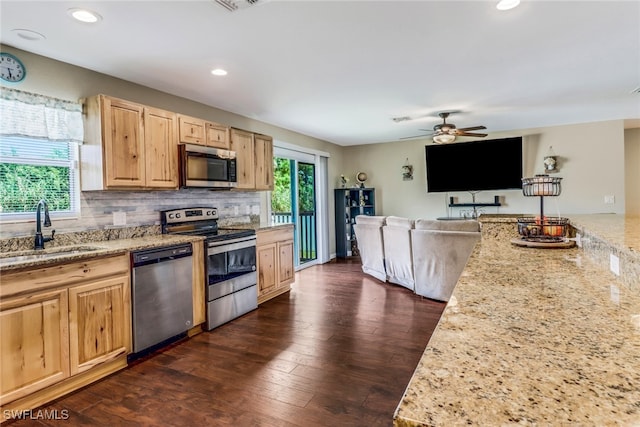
[37, 116]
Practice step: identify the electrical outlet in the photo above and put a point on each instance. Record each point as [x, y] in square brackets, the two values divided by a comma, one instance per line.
[610, 199]
[614, 264]
[615, 294]
[119, 218]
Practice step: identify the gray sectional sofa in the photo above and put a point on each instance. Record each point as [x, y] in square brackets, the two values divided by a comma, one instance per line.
[425, 256]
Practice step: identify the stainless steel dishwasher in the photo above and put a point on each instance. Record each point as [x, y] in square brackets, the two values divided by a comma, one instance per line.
[162, 305]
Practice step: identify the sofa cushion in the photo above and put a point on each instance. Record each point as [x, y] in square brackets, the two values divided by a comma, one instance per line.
[438, 260]
[396, 221]
[454, 225]
[371, 250]
[370, 220]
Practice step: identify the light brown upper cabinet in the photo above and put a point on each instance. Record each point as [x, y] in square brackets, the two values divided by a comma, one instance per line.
[128, 145]
[264, 161]
[242, 143]
[217, 135]
[192, 130]
[254, 157]
[201, 132]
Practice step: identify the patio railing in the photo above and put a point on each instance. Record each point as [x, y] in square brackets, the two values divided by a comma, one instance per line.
[307, 227]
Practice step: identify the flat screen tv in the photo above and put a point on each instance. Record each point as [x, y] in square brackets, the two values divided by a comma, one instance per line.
[494, 164]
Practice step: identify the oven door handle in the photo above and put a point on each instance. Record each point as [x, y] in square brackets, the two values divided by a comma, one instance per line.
[228, 247]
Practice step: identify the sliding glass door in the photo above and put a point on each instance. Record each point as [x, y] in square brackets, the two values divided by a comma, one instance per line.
[294, 200]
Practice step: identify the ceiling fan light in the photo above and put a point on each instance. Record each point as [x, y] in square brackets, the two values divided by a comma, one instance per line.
[507, 4]
[444, 138]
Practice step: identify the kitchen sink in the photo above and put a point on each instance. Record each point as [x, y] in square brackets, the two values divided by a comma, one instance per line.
[19, 257]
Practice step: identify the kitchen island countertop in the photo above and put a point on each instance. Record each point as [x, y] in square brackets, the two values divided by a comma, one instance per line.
[534, 337]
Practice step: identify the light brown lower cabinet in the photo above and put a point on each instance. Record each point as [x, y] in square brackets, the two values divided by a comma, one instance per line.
[35, 343]
[198, 288]
[99, 322]
[62, 327]
[274, 250]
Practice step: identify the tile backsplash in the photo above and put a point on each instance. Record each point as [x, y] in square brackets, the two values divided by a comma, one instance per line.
[122, 209]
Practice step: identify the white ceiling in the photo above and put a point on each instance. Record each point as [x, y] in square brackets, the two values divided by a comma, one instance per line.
[341, 70]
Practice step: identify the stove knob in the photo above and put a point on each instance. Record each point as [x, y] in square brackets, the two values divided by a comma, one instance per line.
[170, 216]
[209, 213]
[178, 215]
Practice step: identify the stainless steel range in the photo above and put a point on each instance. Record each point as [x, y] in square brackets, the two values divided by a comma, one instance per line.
[230, 262]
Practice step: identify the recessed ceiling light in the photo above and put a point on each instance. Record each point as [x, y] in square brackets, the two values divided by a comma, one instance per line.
[28, 34]
[219, 72]
[84, 15]
[507, 4]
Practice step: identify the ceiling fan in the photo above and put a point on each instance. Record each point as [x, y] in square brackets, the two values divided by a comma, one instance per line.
[445, 133]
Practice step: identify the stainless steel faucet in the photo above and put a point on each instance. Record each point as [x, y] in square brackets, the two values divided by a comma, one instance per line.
[39, 242]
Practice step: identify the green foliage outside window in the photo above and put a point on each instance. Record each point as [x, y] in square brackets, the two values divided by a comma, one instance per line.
[22, 186]
[306, 191]
[281, 195]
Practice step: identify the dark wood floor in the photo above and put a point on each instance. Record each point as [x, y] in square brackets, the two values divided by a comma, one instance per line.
[338, 350]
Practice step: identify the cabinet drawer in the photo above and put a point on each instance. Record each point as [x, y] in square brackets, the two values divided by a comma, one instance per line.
[22, 282]
[271, 236]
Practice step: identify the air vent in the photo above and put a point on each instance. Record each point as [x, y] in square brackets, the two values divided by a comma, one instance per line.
[401, 119]
[233, 5]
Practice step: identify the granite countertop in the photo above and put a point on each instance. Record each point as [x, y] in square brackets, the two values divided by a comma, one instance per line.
[621, 231]
[267, 227]
[534, 337]
[76, 252]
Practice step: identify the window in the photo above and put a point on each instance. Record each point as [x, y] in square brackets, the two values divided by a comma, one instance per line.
[39, 138]
[31, 170]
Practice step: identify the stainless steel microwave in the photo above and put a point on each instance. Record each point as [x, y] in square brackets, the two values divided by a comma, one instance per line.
[207, 167]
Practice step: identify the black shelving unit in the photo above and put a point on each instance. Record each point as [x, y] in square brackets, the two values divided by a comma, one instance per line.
[349, 203]
[474, 204]
[496, 202]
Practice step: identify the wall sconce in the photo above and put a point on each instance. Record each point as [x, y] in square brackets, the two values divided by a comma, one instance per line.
[551, 161]
[407, 171]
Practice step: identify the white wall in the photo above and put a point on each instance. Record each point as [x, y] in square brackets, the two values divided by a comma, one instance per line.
[591, 163]
[592, 155]
[632, 171]
[61, 80]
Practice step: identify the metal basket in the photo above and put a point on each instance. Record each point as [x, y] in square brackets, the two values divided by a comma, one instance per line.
[549, 229]
[541, 185]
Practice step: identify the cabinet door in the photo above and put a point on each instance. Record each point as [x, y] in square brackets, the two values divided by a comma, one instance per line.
[99, 322]
[192, 130]
[217, 135]
[285, 262]
[266, 260]
[123, 143]
[264, 162]
[34, 343]
[242, 144]
[199, 283]
[161, 145]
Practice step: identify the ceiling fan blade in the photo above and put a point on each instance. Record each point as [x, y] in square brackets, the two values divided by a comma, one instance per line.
[471, 128]
[415, 136]
[471, 134]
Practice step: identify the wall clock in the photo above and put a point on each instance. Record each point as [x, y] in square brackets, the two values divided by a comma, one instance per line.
[11, 68]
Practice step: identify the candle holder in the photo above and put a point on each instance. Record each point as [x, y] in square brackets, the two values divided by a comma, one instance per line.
[542, 231]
